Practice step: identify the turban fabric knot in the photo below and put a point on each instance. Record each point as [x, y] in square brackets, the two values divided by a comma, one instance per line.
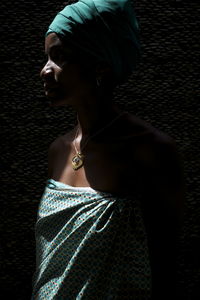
[105, 30]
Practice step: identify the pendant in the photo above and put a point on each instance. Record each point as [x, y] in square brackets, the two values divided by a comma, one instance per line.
[77, 161]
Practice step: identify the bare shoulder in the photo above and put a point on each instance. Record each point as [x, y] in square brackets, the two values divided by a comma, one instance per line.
[56, 145]
[151, 140]
[157, 157]
[56, 148]
[61, 142]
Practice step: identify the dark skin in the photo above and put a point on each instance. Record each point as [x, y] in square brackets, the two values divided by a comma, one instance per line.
[154, 168]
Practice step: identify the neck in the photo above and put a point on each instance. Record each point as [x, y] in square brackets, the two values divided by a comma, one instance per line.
[91, 120]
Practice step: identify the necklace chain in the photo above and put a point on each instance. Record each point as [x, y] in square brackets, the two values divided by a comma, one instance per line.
[78, 159]
[97, 131]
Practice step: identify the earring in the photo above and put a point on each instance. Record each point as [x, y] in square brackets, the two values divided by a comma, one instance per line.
[98, 81]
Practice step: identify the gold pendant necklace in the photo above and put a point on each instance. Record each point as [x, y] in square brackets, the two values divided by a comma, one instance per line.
[78, 159]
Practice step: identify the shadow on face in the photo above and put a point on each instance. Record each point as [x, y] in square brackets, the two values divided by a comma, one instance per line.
[70, 75]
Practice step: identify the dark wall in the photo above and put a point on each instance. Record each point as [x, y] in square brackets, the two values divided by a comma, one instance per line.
[164, 91]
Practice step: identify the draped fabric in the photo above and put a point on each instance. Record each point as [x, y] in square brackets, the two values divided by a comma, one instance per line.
[102, 30]
[89, 245]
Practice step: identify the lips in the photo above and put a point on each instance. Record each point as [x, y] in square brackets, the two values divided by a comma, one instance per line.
[51, 91]
[50, 87]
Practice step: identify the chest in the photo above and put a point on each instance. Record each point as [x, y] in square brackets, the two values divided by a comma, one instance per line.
[107, 168]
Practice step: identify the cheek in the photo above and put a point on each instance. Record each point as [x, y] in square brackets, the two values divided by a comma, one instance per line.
[70, 78]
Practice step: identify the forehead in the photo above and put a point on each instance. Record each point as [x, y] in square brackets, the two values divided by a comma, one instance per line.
[53, 40]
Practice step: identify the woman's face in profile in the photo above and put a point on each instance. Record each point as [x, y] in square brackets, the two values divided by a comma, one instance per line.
[61, 74]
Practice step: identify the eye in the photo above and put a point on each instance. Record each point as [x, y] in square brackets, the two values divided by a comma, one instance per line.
[58, 56]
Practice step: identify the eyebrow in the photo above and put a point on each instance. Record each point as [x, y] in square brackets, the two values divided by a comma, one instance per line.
[52, 47]
[58, 46]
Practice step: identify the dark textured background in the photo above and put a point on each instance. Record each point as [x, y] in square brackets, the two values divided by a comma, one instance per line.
[164, 91]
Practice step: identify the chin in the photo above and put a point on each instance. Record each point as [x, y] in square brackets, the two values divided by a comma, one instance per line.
[57, 98]
[57, 101]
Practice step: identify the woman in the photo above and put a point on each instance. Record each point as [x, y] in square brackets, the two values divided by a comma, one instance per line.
[109, 217]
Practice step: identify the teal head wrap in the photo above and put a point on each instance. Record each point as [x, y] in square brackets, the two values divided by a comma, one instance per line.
[105, 30]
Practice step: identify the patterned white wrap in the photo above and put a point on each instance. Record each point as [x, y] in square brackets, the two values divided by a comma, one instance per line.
[90, 245]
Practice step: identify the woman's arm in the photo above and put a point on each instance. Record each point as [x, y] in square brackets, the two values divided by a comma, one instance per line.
[163, 189]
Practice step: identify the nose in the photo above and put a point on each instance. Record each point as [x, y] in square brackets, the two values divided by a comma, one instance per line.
[46, 71]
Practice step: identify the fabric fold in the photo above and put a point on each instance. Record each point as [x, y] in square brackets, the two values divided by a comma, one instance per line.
[86, 247]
